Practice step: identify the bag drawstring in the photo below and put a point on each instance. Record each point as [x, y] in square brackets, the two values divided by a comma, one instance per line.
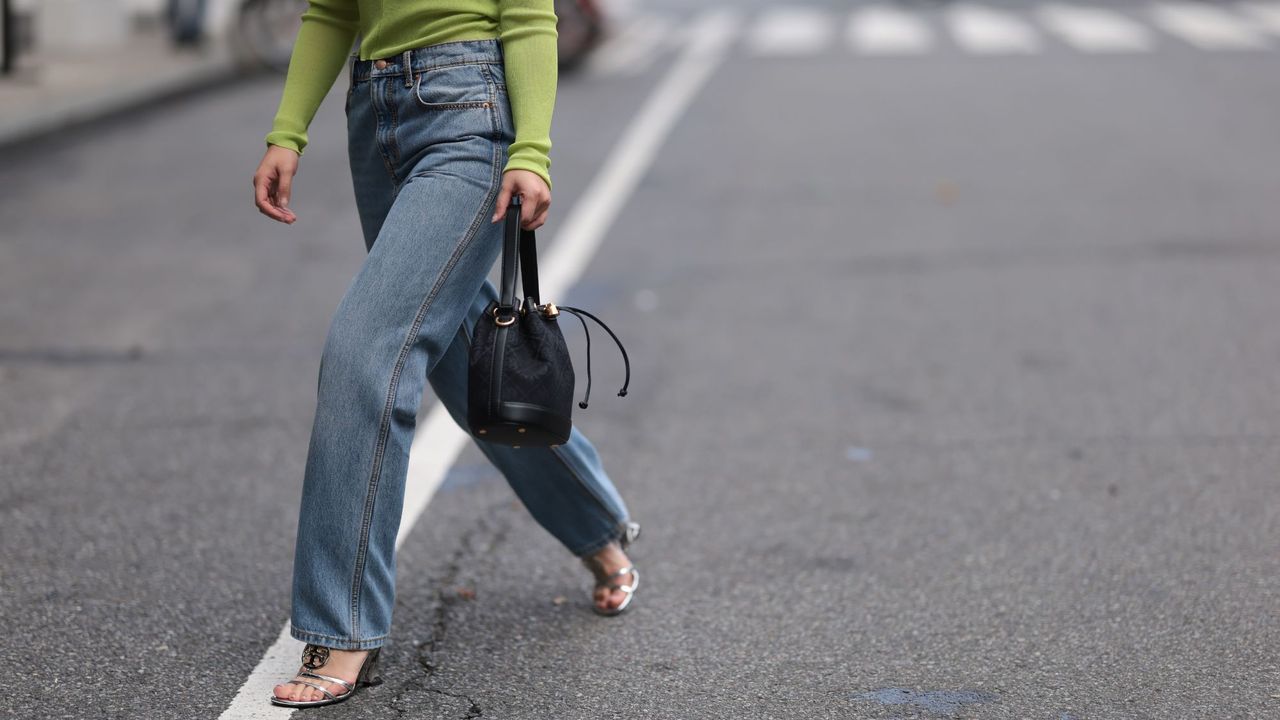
[578, 312]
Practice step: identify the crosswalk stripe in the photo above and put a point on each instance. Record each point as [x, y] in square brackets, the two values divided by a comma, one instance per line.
[790, 30]
[1206, 27]
[987, 31]
[632, 50]
[884, 30]
[1095, 29]
[1265, 14]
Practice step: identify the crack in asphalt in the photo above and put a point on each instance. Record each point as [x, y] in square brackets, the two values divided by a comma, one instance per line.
[474, 546]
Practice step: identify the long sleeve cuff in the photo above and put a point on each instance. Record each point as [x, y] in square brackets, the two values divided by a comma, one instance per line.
[528, 32]
[328, 31]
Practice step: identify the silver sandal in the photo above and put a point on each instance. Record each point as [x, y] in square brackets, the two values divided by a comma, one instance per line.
[314, 657]
[604, 580]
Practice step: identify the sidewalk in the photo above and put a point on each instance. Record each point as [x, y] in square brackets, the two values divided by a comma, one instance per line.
[50, 92]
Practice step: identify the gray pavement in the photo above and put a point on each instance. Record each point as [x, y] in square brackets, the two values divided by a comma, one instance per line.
[958, 399]
[53, 92]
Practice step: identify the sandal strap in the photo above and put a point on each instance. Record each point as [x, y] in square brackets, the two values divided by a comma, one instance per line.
[338, 681]
[624, 571]
[628, 588]
[326, 692]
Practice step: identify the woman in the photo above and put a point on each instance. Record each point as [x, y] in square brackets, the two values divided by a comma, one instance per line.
[449, 110]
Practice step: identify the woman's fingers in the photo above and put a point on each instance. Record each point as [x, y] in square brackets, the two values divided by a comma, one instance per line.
[262, 188]
[535, 198]
[283, 189]
[504, 197]
[273, 184]
[528, 212]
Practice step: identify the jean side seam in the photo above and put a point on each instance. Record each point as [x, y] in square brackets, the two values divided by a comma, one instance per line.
[556, 451]
[384, 427]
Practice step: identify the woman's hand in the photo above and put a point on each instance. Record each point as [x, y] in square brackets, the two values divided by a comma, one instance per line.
[535, 198]
[273, 182]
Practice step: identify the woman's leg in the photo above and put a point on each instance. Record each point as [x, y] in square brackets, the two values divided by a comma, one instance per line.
[396, 320]
[432, 251]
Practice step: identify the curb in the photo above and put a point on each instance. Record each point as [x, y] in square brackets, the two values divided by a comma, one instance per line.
[118, 97]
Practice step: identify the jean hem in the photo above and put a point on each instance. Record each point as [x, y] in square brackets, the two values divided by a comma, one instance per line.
[336, 643]
[601, 543]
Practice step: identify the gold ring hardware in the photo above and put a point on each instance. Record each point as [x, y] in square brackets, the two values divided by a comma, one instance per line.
[520, 430]
[550, 310]
[509, 321]
[482, 431]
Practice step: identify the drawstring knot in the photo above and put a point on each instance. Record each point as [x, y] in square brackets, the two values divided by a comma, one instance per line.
[578, 313]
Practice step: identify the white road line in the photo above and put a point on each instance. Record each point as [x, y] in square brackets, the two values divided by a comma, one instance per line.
[1095, 29]
[1265, 14]
[987, 31]
[633, 49]
[790, 30]
[709, 38]
[885, 30]
[572, 249]
[1206, 27]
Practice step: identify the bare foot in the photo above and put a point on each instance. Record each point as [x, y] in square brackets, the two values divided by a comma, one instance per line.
[342, 664]
[610, 560]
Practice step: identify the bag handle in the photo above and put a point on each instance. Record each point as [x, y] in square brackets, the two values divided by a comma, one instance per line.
[519, 247]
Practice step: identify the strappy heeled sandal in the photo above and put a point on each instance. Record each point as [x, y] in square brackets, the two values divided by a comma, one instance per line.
[605, 579]
[314, 657]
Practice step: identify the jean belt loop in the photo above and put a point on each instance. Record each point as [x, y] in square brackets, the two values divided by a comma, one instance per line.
[407, 61]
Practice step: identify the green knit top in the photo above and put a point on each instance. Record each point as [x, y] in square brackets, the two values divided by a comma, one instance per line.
[527, 29]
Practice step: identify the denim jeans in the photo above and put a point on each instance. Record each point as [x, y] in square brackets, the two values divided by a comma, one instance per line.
[428, 133]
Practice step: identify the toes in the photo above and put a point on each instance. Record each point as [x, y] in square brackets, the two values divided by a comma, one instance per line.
[296, 692]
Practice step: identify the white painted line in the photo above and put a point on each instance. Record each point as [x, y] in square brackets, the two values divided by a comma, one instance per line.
[1207, 27]
[438, 440]
[585, 226]
[1264, 14]
[885, 30]
[987, 31]
[633, 49]
[790, 30]
[1095, 29]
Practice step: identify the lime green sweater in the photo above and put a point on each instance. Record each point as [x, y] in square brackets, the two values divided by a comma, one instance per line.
[527, 29]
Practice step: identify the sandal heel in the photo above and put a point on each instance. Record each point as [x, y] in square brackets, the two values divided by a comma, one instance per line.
[369, 675]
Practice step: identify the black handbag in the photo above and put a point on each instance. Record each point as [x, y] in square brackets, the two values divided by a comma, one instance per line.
[520, 379]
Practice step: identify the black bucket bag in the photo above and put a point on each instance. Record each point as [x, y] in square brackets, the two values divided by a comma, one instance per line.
[520, 380]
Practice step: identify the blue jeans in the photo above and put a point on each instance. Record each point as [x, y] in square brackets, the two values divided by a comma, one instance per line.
[428, 138]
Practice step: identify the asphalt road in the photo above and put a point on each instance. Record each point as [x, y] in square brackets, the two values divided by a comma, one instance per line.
[955, 393]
